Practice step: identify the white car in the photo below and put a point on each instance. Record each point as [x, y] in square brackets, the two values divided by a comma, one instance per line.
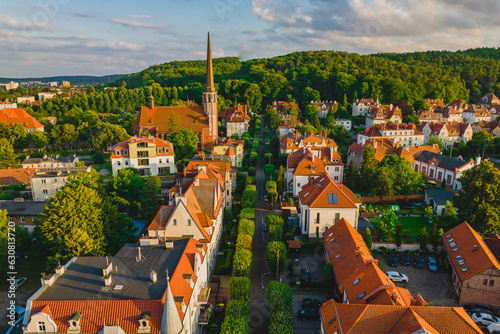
[397, 277]
[484, 319]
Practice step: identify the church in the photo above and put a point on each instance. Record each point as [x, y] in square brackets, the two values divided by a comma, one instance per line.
[157, 120]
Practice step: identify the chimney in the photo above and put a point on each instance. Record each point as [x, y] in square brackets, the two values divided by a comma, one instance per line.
[184, 172]
[151, 102]
[107, 268]
[47, 279]
[59, 270]
[153, 276]
[478, 161]
[108, 280]
[74, 323]
[311, 180]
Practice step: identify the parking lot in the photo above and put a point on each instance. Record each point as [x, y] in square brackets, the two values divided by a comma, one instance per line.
[305, 326]
[435, 287]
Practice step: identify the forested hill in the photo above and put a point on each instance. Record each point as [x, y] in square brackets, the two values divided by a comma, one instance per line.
[73, 79]
[331, 75]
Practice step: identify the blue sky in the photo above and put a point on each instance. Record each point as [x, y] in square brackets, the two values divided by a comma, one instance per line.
[68, 37]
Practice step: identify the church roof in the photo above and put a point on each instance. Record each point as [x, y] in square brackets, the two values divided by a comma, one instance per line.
[184, 117]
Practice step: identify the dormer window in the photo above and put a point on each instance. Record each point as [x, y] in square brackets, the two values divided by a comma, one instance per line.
[144, 326]
[41, 327]
[117, 152]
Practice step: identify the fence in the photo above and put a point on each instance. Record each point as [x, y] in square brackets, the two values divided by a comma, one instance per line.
[376, 199]
[410, 247]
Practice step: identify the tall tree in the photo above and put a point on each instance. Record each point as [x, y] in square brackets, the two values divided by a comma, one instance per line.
[150, 200]
[368, 167]
[7, 157]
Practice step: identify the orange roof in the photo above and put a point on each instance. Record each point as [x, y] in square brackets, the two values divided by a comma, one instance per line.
[12, 116]
[390, 319]
[317, 194]
[191, 117]
[159, 143]
[97, 312]
[308, 164]
[235, 114]
[468, 243]
[385, 112]
[434, 103]
[230, 152]
[16, 175]
[229, 141]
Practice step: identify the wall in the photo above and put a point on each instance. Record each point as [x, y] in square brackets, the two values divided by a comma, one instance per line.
[474, 292]
[376, 199]
[410, 247]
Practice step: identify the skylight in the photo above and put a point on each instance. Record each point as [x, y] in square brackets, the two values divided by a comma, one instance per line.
[458, 256]
[454, 249]
[338, 255]
[356, 281]
[465, 269]
[461, 262]
[332, 198]
[451, 239]
[361, 295]
[449, 235]
[453, 244]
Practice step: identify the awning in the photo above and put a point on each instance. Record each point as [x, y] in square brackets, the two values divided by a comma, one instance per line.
[203, 296]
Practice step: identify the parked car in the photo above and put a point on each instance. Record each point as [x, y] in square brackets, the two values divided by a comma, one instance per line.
[306, 275]
[393, 260]
[308, 314]
[264, 227]
[418, 261]
[432, 264]
[397, 276]
[20, 282]
[405, 258]
[473, 309]
[311, 303]
[484, 319]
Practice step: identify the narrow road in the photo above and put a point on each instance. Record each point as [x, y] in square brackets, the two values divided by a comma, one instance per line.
[259, 313]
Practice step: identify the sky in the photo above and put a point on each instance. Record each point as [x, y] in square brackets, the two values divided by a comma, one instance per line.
[90, 37]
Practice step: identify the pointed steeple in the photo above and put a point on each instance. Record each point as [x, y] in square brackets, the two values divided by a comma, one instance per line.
[210, 87]
[171, 322]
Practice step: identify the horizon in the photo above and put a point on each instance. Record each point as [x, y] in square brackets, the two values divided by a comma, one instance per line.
[65, 38]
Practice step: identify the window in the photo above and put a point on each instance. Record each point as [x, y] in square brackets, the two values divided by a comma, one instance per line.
[126, 163]
[23, 219]
[45, 191]
[458, 256]
[338, 255]
[485, 281]
[117, 152]
[337, 217]
[332, 198]
[465, 269]
[451, 239]
[298, 185]
[492, 282]
[449, 235]
[453, 244]
[125, 152]
[356, 281]
[454, 249]
[142, 145]
[431, 173]
[461, 262]
[448, 179]
[119, 163]
[189, 222]
[142, 154]
[175, 222]
[11, 219]
[159, 161]
[337, 169]
[143, 162]
[440, 176]
[44, 181]
[361, 295]
[159, 151]
[41, 327]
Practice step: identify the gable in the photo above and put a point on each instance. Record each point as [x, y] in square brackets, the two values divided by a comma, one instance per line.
[181, 215]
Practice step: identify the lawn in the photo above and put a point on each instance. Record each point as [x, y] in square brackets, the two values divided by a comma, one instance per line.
[412, 223]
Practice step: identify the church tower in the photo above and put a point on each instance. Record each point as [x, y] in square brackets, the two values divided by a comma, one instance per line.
[210, 97]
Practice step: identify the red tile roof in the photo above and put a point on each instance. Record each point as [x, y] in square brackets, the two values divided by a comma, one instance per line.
[16, 175]
[191, 117]
[316, 194]
[12, 116]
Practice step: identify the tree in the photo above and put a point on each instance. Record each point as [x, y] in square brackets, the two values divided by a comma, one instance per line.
[242, 262]
[368, 238]
[281, 181]
[436, 140]
[7, 157]
[39, 139]
[351, 177]
[398, 234]
[244, 241]
[150, 199]
[239, 288]
[247, 213]
[246, 227]
[423, 237]
[249, 198]
[368, 167]
[383, 183]
[407, 236]
[274, 250]
[478, 201]
[278, 295]
[450, 215]
[429, 213]
[71, 224]
[118, 228]
[412, 118]
[104, 135]
[327, 273]
[481, 140]
[386, 225]
[406, 180]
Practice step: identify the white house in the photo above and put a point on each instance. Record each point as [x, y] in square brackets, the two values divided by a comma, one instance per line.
[46, 182]
[404, 134]
[476, 113]
[323, 202]
[450, 133]
[362, 107]
[437, 199]
[146, 153]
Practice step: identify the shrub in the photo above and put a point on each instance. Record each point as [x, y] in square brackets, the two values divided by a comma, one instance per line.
[242, 262]
[252, 171]
[249, 198]
[251, 187]
[247, 213]
[275, 232]
[279, 296]
[368, 238]
[236, 320]
[251, 180]
[273, 249]
[246, 226]
[254, 158]
[239, 288]
[281, 322]
[244, 241]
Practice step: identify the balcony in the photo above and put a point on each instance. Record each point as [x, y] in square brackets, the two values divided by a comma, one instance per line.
[205, 312]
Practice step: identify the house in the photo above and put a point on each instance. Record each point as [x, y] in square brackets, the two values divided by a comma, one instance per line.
[357, 277]
[489, 99]
[427, 116]
[18, 115]
[437, 199]
[26, 99]
[450, 133]
[7, 105]
[448, 114]
[346, 123]
[11, 85]
[316, 143]
[195, 210]
[224, 144]
[492, 127]
[392, 319]
[160, 121]
[405, 134]
[495, 112]
[303, 164]
[23, 213]
[283, 107]
[476, 113]
[324, 107]
[362, 107]
[323, 202]
[16, 176]
[440, 168]
[235, 119]
[45, 183]
[45, 96]
[148, 154]
[475, 269]
[383, 114]
[458, 105]
[161, 288]
[384, 147]
[434, 103]
[49, 162]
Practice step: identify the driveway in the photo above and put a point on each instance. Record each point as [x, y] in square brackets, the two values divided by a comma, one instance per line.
[305, 326]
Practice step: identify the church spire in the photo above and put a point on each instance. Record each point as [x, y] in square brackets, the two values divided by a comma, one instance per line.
[171, 322]
[210, 87]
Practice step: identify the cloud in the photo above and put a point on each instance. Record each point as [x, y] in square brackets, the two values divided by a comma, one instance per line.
[84, 14]
[138, 16]
[137, 24]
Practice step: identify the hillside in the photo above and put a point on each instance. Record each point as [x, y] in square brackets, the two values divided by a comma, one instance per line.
[73, 79]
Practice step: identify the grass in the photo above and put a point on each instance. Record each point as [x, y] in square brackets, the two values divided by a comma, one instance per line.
[412, 223]
[106, 165]
[32, 269]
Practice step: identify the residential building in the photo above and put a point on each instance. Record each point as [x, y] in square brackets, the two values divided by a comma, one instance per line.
[440, 168]
[286, 129]
[448, 114]
[405, 134]
[427, 116]
[45, 184]
[384, 147]
[383, 114]
[303, 164]
[16, 176]
[195, 210]
[11, 85]
[346, 123]
[159, 121]
[476, 113]
[283, 107]
[26, 99]
[51, 119]
[495, 112]
[160, 288]
[23, 213]
[323, 202]
[489, 99]
[66, 84]
[451, 133]
[357, 277]
[362, 107]
[146, 153]
[492, 127]
[18, 115]
[7, 105]
[475, 269]
[315, 143]
[235, 119]
[45, 96]
[52, 83]
[324, 107]
[437, 200]
[229, 146]
[49, 162]
[391, 319]
[458, 105]
[434, 103]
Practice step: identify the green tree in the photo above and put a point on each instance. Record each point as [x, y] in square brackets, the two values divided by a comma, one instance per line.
[368, 167]
[406, 180]
[386, 225]
[242, 262]
[39, 139]
[7, 157]
[383, 183]
[104, 135]
[368, 238]
[274, 250]
[249, 198]
[246, 227]
[351, 177]
[327, 273]
[436, 140]
[429, 213]
[398, 234]
[412, 118]
[150, 199]
[478, 201]
[239, 288]
[278, 295]
[407, 236]
[423, 237]
[481, 140]
[450, 215]
[247, 213]
[118, 228]
[281, 181]
[244, 241]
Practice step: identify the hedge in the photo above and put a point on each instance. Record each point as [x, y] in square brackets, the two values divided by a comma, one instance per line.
[247, 213]
[242, 262]
[279, 300]
[246, 226]
[249, 198]
[237, 319]
[239, 288]
[244, 242]
[273, 249]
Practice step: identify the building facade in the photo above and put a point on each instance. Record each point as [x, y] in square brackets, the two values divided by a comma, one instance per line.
[235, 119]
[362, 107]
[45, 184]
[404, 134]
